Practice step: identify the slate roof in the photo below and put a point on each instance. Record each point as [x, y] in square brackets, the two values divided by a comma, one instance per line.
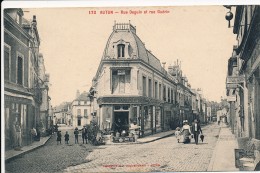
[83, 97]
[137, 47]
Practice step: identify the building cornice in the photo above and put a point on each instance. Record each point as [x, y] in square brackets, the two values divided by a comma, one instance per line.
[17, 26]
[17, 39]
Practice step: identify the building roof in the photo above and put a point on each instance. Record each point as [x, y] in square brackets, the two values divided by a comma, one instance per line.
[62, 107]
[126, 33]
[83, 97]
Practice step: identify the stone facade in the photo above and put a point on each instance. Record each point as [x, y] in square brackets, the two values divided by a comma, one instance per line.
[22, 86]
[244, 72]
[80, 110]
[133, 86]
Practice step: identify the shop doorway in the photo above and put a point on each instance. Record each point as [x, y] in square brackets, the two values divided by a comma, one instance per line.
[123, 116]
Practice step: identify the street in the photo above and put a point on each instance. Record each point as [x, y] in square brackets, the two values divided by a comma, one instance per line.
[160, 156]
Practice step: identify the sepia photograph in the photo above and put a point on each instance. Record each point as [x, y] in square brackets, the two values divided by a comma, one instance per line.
[130, 88]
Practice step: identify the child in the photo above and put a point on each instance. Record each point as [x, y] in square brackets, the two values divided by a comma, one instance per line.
[76, 133]
[178, 134]
[67, 136]
[59, 137]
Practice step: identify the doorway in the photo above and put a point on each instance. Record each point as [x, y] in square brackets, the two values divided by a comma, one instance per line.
[123, 116]
[79, 121]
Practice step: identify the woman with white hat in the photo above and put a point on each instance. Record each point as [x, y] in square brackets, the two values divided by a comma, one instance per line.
[186, 131]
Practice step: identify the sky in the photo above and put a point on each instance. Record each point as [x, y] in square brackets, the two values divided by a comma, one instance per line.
[73, 41]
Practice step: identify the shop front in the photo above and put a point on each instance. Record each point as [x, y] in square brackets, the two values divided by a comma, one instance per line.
[19, 109]
[118, 114]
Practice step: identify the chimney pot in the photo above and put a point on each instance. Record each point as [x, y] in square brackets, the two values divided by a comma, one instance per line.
[34, 18]
[163, 63]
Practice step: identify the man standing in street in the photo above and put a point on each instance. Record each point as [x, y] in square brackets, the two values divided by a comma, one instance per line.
[84, 134]
[196, 130]
[76, 133]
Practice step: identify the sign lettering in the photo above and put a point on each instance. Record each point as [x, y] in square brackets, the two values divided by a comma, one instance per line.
[235, 80]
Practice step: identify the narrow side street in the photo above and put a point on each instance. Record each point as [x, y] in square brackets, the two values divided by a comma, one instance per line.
[162, 155]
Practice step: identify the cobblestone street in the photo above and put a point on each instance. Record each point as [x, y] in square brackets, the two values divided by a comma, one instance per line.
[51, 157]
[162, 155]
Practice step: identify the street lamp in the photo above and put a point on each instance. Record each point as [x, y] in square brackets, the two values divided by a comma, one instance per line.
[229, 14]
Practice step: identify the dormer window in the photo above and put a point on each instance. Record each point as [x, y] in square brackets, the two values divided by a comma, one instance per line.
[121, 50]
[18, 18]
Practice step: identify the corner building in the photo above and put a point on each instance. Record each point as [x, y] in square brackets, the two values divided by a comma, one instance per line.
[131, 85]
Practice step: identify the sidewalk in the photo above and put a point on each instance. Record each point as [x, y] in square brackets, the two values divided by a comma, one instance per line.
[146, 139]
[11, 154]
[223, 157]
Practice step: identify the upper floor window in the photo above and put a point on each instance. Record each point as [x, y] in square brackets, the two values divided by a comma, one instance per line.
[79, 112]
[149, 88]
[85, 112]
[172, 98]
[121, 80]
[7, 59]
[144, 86]
[169, 95]
[164, 93]
[121, 50]
[160, 91]
[156, 90]
[20, 70]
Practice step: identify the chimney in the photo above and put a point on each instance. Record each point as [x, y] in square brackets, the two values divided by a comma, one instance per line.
[163, 63]
[34, 18]
[77, 94]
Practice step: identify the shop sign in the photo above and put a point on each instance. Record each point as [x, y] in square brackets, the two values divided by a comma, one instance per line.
[231, 98]
[232, 86]
[120, 72]
[17, 99]
[235, 79]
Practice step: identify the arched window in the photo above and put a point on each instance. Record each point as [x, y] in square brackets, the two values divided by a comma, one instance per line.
[121, 50]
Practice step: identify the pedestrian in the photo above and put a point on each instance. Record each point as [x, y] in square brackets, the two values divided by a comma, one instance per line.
[218, 122]
[33, 133]
[86, 135]
[83, 133]
[18, 135]
[76, 133]
[58, 137]
[186, 132]
[67, 136]
[13, 135]
[196, 130]
[56, 127]
[178, 134]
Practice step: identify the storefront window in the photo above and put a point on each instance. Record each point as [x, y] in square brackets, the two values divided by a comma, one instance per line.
[134, 118]
[158, 116]
[147, 118]
[125, 107]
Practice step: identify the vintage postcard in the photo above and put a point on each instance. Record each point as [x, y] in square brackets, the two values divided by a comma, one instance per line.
[130, 88]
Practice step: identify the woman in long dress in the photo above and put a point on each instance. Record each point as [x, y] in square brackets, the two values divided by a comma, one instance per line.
[186, 132]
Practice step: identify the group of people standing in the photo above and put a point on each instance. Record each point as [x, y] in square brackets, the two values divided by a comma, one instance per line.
[84, 134]
[183, 134]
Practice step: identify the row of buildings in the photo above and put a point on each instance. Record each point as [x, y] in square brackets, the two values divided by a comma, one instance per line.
[75, 113]
[26, 84]
[132, 85]
[243, 76]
